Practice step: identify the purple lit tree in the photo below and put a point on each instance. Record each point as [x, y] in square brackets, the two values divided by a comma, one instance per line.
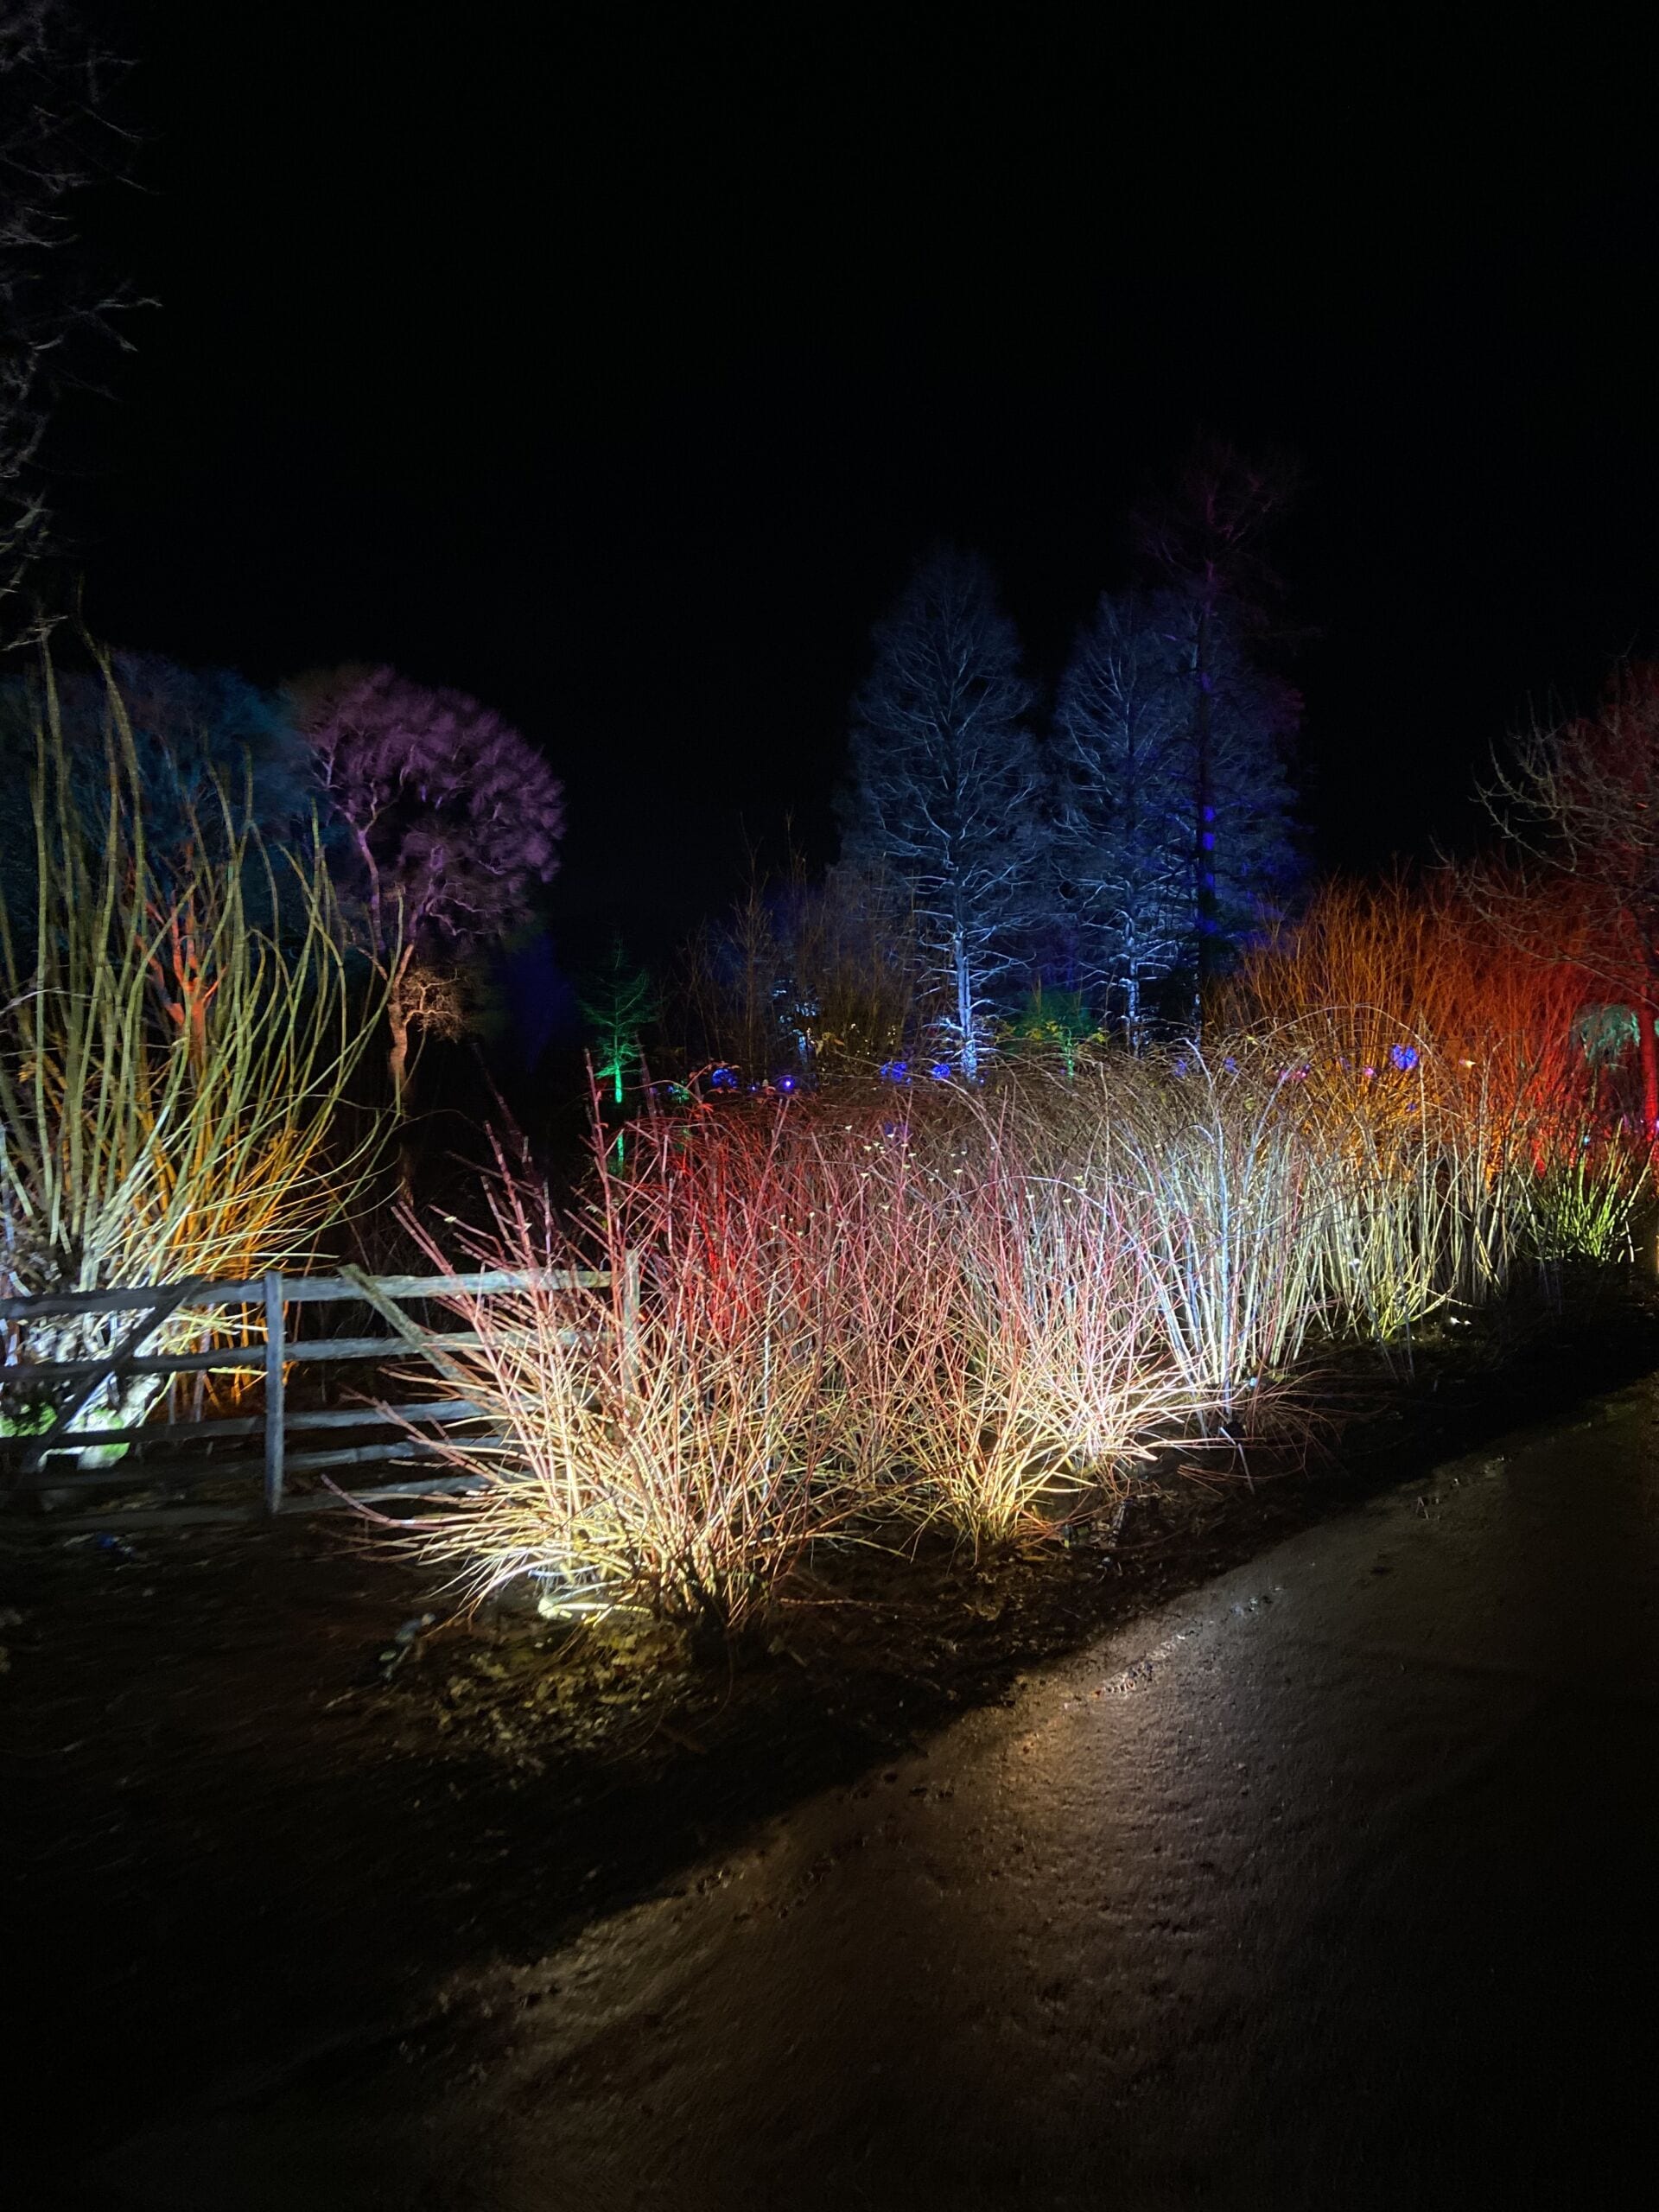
[451, 817]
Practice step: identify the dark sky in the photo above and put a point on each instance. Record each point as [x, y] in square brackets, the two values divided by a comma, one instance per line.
[614, 363]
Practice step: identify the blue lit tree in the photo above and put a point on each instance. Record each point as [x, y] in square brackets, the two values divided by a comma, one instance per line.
[1120, 759]
[943, 789]
[1254, 865]
[202, 739]
[1206, 542]
[197, 729]
[1143, 785]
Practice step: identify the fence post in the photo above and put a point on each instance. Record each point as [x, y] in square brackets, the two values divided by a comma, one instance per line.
[631, 1317]
[276, 1343]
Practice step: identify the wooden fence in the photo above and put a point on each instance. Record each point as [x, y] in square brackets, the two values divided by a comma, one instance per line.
[44, 1466]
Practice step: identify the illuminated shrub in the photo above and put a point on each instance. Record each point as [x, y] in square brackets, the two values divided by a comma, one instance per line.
[904, 1304]
[177, 1035]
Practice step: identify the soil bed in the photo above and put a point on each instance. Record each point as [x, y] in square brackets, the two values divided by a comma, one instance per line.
[241, 1836]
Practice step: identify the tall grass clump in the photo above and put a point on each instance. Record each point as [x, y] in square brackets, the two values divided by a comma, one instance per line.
[178, 1033]
[887, 1307]
[1010, 1340]
[1466, 1129]
[849, 1317]
[652, 1439]
[1215, 1181]
[1585, 1203]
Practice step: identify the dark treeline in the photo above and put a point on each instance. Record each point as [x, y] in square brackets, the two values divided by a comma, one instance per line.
[1014, 865]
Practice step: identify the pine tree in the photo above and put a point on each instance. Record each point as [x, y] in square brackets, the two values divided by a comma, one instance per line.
[618, 1004]
[945, 784]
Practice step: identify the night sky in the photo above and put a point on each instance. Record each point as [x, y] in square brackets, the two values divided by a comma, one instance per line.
[616, 370]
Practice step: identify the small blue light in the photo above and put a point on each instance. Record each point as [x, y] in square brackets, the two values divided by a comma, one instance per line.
[940, 1070]
[894, 1071]
[785, 1083]
[722, 1079]
[1404, 1057]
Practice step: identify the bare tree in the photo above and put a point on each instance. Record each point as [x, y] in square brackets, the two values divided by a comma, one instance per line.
[1207, 543]
[945, 784]
[1122, 776]
[802, 973]
[55, 140]
[1133, 768]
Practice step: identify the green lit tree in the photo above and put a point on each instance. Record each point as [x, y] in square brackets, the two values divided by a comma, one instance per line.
[618, 1007]
[1057, 1020]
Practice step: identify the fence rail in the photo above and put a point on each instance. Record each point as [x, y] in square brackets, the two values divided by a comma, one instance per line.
[44, 1465]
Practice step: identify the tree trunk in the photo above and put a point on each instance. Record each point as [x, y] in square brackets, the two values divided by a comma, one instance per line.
[1132, 1000]
[964, 982]
[397, 1057]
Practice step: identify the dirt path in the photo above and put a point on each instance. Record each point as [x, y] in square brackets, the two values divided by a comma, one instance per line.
[1327, 1885]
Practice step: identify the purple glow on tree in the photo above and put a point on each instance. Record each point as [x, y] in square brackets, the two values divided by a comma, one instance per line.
[452, 816]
